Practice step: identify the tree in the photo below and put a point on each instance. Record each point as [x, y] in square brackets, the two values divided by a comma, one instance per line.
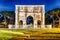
[5, 13]
[56, 15]
[12, 17]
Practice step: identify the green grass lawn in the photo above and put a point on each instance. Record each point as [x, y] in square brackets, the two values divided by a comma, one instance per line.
[6, 34]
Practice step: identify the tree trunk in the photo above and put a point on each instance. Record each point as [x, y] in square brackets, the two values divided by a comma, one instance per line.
[5, 20]
[59, 22]
[53, 23]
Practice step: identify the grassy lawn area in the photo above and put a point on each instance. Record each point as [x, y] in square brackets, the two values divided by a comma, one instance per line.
[6, 34]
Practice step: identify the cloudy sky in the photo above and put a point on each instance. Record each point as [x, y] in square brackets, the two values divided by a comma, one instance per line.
[10, 4]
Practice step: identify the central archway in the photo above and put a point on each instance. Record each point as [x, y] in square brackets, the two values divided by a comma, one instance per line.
[29, 21]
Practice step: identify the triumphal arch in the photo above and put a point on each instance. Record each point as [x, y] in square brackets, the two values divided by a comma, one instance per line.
[29, 16]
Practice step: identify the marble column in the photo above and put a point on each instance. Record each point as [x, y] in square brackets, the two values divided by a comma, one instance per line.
[16, 18]
[43, 17]
[35, 24]
[24, 24]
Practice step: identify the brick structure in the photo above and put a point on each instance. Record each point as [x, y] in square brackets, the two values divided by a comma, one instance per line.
[36, 12]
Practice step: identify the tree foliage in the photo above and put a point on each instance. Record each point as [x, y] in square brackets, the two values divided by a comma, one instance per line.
[53, 16]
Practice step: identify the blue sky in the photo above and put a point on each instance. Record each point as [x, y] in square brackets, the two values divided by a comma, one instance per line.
[10, 4]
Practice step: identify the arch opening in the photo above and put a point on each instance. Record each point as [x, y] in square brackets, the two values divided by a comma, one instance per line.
[39, 23]
[20, 24]
[29, 21]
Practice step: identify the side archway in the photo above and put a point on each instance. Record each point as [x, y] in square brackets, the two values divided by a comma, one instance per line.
[21, 23]
[39, 23]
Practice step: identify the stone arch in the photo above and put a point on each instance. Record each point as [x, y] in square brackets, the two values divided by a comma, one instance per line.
[20, 23]
[27, 14]
[38, 23]
[29, 20]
